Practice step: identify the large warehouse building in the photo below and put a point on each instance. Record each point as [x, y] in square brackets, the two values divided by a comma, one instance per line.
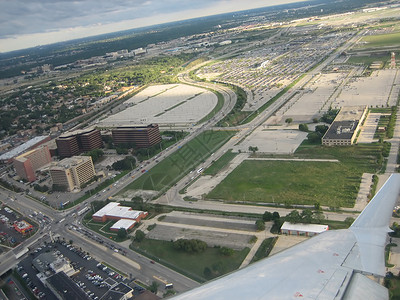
[343, 130]
[140, 136]
[76, 142]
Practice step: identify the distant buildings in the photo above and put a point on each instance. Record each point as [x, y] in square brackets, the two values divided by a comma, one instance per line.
[126, 217]
[140, 136]
[71, 173]
[74, 143]
[26, 164]
[343, 130]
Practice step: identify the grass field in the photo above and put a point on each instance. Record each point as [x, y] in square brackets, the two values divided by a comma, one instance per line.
[220, 163]
[194, 264]
[382, 40]
[368, 59]
[290, 182]
[181, 162]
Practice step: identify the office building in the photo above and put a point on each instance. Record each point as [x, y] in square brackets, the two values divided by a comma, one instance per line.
[139, 136]
[26, 164]
[79, 141]
[343, 130]
[72, 173]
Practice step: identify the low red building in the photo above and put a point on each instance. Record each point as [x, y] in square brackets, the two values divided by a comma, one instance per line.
[113, 211]
[22, 226]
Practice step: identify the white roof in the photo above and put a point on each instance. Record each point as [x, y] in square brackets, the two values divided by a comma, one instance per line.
[123, 223]
[113, 209]
[315, 228]
[21, 148]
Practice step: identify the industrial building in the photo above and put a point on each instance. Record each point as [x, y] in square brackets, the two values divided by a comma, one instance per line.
[140, 136]
[303, 229]
[343, 130]
[26, 164]
[79, 141]
[125, 216]
[71, 173]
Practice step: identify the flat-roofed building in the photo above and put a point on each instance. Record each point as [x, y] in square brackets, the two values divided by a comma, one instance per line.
[26, 164]
[71, 173]
[31, 144]
[303, 229]
[140, 136]
[126, 216]
[343, 130]
[76, 142]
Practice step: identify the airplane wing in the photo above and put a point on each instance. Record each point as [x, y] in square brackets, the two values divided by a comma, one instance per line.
[332, 265]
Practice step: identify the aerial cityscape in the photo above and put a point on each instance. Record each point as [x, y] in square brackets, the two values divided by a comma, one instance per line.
[212, 154]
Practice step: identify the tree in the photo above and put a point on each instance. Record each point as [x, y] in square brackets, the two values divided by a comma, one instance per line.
[348, 221]
[321, 129]
[226, 251]
[314, 137]
[153, 287]
[139, 236]
[275, 216]
[289, 120]
[267, 216]
[293, 217]
[303, 127]
[253, 149]
[260, 225]
[122, 233]
[306, 216]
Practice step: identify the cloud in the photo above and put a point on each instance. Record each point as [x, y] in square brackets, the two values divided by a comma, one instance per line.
[25, 19]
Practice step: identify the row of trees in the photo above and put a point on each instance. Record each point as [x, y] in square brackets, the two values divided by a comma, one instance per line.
[190, 246]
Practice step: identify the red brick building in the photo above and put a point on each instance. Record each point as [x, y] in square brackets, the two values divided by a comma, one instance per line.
[74, 143]
[140, 136]
[113, 211]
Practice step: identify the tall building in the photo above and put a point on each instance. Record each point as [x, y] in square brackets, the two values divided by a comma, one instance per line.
[76, 142]
[26, 164]
[140, 136]
[71, 173]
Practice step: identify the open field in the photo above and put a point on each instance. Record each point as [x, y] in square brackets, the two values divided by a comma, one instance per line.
[181, 162]
[193, 263]
[381, 40]
[293, 182]
[220, 163]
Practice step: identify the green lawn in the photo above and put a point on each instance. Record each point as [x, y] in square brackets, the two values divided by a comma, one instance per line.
[382, 40]
[289, 182]
[220, 163]
[192, 264]
[181, 162]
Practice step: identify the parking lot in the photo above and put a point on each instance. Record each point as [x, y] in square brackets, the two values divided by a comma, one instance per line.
[92, 277]
[9, 236]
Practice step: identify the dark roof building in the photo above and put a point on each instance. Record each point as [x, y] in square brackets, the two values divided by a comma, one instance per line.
[74, 143]
[140, 136]
[343, 130]
[118, 292]
[64, 288]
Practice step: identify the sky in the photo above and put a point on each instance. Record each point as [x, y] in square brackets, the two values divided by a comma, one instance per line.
[28, 23]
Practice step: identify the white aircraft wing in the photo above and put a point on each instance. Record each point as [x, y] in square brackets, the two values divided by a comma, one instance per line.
[332, 265]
